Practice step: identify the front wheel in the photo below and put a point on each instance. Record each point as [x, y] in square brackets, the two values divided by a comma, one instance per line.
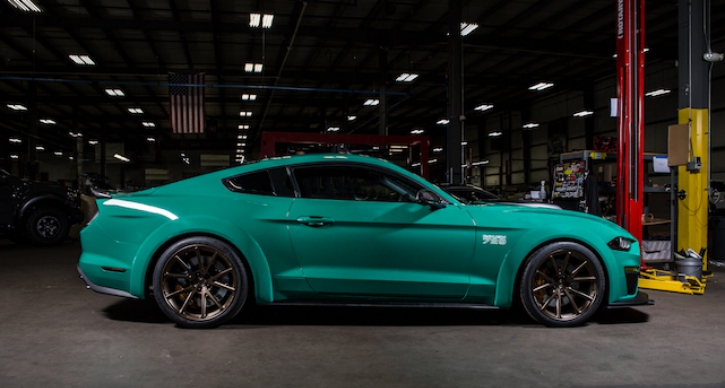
[563, 284]
[47, 226]
[200, 282]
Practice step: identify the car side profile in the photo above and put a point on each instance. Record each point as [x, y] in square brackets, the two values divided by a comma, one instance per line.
[347, 229]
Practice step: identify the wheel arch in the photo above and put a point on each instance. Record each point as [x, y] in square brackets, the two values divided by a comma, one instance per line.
[39, 202]
[248, 250]
[509, 277]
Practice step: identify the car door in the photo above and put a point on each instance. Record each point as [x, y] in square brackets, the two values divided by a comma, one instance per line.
[357, 230]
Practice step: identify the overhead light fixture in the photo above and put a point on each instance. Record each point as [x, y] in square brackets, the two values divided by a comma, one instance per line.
[250, 67]
[417, 132]
[115, 92]
[150, 139]
[583, 113]
[15, 140]
[464, 143]
[58, 153]
[480, 163]
[81, 59]
[241, 144]
[467, 28]
[71, 158]
[135, 111]
[351, 118]
[93, 142]
[371, 102]
[541, 86]
[249, 97]
[148, 124]
[531, 125]
[245, 114]
[75, 134]
[658, 92]
[406, 77]
[17, 107]
[398, 147]
[483, 107]
[333, 129]
[495, 134]
[256, 20]
[47, 121]
[242, 137]
[243, 126]
[25, 5]
[438, 149]
[14, 156]
[442, 122]
[121, 157]
[40, 148]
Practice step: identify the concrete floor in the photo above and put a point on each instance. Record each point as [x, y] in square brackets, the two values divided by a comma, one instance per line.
[55, 333]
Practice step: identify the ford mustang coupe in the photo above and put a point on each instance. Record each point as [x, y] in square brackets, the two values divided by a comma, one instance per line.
[352, 230]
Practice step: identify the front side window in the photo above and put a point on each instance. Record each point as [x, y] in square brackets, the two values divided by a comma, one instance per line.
[353, 183]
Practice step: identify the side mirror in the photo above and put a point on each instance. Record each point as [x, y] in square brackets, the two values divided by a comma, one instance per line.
[429, 198]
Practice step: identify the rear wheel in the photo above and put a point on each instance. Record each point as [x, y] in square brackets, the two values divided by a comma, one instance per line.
[563, 285]
[46, 226]
[200, 282]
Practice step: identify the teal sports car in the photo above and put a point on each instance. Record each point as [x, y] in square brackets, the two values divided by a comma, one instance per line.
[351, 230]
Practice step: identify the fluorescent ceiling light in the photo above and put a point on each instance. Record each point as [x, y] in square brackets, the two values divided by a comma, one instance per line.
[495, 134]
[267, 21]
[351, 118]
[82, 60]
[531, 125]
[245, 114]
[115, 92]
[241, 137]
[467, 28]
[483, 107]
[121, 157]
[406, 77]
[254, 19]
[438, 149]
[371, 101]
[14, 156]
[93, 142]
[25, 5]
[40, 148]
[399, 147]
[241, 144]
[58, 153]
[148, 124]
[253, 67]
[464, 143]
[333, 129]
[17, 107]
[417, 132]
[541, 86]
[15, 140]
[249, 97]
[442, 122]
[75, 134]
[658, 92]
[135, 111]
[243, 126]
[583, 113]
[47, 121]
[150, 140]
[480, 163]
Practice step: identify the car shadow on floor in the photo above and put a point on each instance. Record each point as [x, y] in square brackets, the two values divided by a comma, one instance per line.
[141, 311]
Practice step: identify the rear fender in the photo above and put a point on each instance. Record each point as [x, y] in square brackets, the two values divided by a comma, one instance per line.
[153, 246]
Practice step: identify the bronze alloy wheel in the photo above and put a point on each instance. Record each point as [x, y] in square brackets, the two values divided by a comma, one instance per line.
[562, 285]
[200, 283]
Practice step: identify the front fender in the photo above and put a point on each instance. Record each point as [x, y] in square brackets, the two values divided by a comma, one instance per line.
[151, 248]
[537, 237]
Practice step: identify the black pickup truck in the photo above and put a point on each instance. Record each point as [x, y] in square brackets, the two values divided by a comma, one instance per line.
[40, 213]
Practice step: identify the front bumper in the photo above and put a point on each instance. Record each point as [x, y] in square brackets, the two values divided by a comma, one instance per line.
[641, 299]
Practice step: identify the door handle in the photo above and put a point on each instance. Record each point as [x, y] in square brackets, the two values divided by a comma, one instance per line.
[315, 221]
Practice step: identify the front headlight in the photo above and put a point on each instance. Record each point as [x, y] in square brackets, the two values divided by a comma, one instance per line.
[621, 244]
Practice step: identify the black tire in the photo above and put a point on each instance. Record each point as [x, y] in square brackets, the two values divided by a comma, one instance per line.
[46, 226]
[563, 285]
[199, 266]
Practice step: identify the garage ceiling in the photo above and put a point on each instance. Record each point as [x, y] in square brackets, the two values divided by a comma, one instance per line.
[321, 61]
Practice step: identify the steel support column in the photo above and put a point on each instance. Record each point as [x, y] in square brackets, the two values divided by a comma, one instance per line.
[454, 159]
[383, 98]
[693, 110]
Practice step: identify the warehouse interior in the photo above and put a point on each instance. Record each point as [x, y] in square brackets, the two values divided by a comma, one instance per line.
[523, 94]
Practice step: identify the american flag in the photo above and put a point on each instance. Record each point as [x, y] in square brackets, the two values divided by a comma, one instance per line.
[187, 113]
